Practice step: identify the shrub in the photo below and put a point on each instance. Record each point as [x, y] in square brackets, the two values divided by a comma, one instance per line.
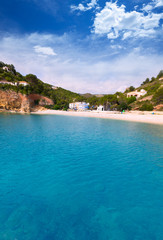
[56, 107]
[158, 96]
[160, 74]
[146, 107]
[146, 81]
[131, 88]
[131, 99]
[152, 88]
[123, 106]
[153, 79]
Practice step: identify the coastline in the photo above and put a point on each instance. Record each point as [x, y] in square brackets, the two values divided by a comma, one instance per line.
[142, 117]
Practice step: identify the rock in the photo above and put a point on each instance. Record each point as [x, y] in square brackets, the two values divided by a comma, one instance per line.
[12, 101]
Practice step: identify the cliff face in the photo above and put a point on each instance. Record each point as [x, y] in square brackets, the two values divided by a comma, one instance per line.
[12, 101]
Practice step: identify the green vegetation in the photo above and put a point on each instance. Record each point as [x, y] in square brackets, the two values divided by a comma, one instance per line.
[160, 74]
[131, 100]
[146, 81]
[146, 106]
[62, 97]
[158, 96]
[130, 89]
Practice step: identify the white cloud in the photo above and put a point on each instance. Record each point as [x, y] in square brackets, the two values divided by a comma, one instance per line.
[116, 46]
[126, 35]
[152, 5]
[44, 50]
[79, 71]
[92, 4]
[115, 21]
[83, 8]
[147, 7]
[159, 3]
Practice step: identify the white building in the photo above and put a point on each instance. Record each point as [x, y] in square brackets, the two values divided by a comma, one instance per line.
[81, 106]
[6, 82]
[136, 93]
[54, 87]
[24, 83]
[6, 68]
[100, 108]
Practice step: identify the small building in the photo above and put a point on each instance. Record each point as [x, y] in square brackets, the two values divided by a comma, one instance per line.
[161, 78]
[6, 82]
[100, 108]
[54, 87]
[137, 94]
[81, 106]
[24, 83]
[6, 68]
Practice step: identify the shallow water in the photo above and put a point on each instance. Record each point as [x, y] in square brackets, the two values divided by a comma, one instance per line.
[72, 178]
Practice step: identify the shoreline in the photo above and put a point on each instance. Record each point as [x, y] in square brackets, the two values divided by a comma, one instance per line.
[142, 117]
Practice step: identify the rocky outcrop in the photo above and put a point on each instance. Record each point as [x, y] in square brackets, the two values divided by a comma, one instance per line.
[159, 107]
[12, 101]
[37, 99]
[25, 103]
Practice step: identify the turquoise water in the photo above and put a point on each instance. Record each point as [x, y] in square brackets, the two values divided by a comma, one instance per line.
[72, 178]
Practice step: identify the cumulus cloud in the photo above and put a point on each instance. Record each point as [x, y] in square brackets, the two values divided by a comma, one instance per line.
[148, 7]
[152, 5]
[79, 71]
[159, 3]
[114, 21]
[44, 50]
[83, 8]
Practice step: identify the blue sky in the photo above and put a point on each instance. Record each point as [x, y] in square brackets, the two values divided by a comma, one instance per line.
[92, 46]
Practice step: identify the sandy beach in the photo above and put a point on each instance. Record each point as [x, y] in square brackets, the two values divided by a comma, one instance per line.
[136, 116]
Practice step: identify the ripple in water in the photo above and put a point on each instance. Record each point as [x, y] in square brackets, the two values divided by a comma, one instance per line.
[66, 178]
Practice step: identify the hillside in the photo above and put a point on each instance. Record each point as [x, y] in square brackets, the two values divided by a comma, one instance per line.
[152, 99]
[36, 94]
[36, 91]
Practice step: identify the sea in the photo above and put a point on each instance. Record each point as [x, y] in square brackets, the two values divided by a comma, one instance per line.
[74, 178]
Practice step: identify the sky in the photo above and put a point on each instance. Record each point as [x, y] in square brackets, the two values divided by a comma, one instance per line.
[94, 46]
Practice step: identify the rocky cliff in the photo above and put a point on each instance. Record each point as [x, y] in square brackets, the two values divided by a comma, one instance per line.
[12, 101]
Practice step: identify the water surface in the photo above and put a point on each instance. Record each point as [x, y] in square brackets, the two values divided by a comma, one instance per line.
[73, 178]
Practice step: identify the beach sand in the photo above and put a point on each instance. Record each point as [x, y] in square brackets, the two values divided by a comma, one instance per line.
[134, 116]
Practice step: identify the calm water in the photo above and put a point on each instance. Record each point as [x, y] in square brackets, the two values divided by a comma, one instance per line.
[72, 178]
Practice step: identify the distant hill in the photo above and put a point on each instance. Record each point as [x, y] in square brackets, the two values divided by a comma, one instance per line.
[89, 95]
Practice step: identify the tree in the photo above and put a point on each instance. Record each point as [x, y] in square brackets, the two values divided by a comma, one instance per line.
[131, 88]
[153, 79]
[93, 101]
[146, 81]
[131, 99]
[31, 78]
[12, 69]
[160, 74]
[123, 106]
[2, 64]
